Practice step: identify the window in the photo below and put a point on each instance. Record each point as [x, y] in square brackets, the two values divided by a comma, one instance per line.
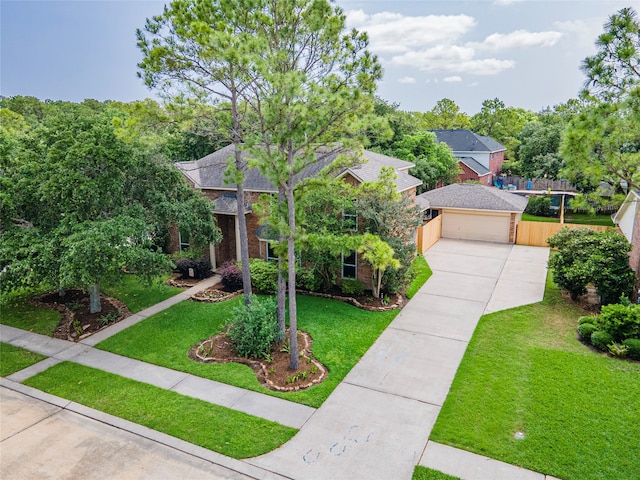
[271, 255]
[184, 245]
[349, 220]
[349, 267]
[430, 214]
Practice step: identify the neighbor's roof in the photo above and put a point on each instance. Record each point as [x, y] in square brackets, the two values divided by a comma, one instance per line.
[632, 201]
[474, 165]
[468, 141]
[208, 172]
[476, 197]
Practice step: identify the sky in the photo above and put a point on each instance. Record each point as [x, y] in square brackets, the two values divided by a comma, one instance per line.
[527, 53]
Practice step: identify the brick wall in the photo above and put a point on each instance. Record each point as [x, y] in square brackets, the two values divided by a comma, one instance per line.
[468, 174]
[496, 160]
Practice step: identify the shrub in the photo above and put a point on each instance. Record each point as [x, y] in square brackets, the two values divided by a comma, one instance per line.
[601, 340]
[352, 287]
[264, 275]
[253, 329]
[201, 267]
[231, 276]
[539, 206]
[585, 330]
[620, 321]
[633, 347]
[309, 279]
[586, 319]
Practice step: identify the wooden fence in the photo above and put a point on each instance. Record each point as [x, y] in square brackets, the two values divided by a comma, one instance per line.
[429, 233]
[538, 184]
[536, 233]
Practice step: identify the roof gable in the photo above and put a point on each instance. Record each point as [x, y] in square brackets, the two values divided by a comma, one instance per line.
[474, 165]
[468, 141]
[474, 197]
[208, 172]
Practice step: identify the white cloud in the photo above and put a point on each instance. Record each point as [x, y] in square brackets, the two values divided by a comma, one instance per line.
[519, 39]
[452, 79]
[396, 33]
[506, 2]
[407, 80]
[452, 59]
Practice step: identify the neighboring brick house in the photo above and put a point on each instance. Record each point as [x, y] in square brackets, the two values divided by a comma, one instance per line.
[627, 219]
[207, 175]
[480, 157]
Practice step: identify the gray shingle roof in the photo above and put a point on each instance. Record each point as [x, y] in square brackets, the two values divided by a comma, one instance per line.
[475, 165]
[208, 172]
[467, 141]
[227, 203]
[473, 196]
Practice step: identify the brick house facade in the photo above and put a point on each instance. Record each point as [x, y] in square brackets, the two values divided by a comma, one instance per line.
[207, 175]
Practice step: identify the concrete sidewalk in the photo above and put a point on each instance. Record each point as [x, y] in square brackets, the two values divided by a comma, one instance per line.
[376, 424]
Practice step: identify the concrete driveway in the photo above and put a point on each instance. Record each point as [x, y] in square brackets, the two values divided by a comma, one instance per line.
[377, 422]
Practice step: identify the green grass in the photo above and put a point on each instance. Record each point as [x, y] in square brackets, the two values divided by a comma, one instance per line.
[524, 370]
[138, 296]
[341, 335]
[424, 473]
[13, 359]
[579, 218]
[422, 271]
[229, 432]
[16, 311]
[586, 219]
[535, 218]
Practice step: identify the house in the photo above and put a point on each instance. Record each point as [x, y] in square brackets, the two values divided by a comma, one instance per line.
[480, 157]
[627, 219]
[207, 175]
[475, 212]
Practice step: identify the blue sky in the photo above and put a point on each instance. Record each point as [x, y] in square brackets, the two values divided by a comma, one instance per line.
[527, 53]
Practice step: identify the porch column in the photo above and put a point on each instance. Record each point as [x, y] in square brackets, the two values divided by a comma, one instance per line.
[212, 255]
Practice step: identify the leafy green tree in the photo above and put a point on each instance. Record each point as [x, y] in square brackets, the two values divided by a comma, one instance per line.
[614, 70]
[434, 161]
[501, 123]
[80, 204]
[446, 115]
[538, 152]
[381, 257]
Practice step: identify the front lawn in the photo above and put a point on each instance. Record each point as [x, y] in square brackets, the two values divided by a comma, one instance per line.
[578, 218]
[422, 273]
[13, 359]
[525, 371]
[229, 432]
[424, 473]
[137, 295]
[341, 335]
[18, 312]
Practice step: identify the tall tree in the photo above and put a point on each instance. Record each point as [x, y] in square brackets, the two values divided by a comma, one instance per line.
[614, 70]
[502, 123]
[313, 83]
[80, 204]
[206, 50]
[602, 142]
[446, 115]
[434, 161]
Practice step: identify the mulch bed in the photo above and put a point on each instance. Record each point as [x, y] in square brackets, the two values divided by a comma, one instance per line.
[216, 293]
[274, 374]
[76, 322]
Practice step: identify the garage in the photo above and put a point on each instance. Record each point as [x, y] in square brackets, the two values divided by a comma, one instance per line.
[475, 212]
[475, 226]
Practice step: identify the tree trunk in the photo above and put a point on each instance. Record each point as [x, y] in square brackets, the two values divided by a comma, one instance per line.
[242, 221]
[94, 298]
[291, 258]
[244, 246]
[282, 283]
[376, 283]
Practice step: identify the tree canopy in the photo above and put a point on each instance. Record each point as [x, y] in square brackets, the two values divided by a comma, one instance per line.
[81, 202]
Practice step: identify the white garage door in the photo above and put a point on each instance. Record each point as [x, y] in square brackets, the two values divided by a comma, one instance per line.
[476, 226]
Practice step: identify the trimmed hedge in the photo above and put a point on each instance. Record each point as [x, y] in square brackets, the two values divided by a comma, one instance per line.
[633, 347]
[231, 276]
[586, 319]
[201, 267]
[601, 340]
[585, 330]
